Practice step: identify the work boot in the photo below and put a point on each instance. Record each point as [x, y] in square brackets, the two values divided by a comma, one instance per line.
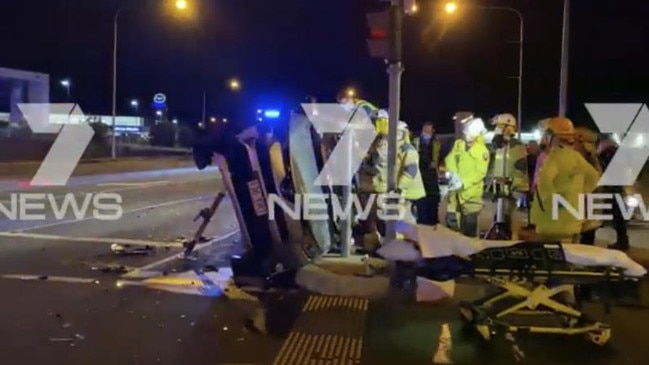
[371, 242]
[469, 225]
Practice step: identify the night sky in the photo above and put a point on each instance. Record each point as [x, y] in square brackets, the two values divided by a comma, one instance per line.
[283, 50]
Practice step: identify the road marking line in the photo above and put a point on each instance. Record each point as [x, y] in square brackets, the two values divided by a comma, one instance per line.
[124, 241]
[144, 184]
[62, 279]
[71, 221]
[142, 270]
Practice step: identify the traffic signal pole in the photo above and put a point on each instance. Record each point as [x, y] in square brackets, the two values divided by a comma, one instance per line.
[395, 70]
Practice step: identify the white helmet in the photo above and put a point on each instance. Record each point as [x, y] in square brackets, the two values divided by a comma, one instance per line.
[402, 126]
[383, 114]
[473, 128]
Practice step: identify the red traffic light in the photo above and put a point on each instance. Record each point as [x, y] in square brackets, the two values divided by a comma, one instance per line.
[378, 33]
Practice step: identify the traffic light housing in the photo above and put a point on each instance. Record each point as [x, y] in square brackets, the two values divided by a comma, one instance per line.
[378, 43]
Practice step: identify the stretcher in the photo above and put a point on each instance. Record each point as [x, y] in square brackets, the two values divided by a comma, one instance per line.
[533, 281]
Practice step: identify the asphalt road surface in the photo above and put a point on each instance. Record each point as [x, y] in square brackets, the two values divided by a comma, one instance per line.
[59, 307]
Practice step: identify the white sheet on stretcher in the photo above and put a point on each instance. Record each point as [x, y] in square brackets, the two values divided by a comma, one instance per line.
[439, 241]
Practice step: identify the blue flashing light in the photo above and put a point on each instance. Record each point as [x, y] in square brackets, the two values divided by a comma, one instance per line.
[272, 114]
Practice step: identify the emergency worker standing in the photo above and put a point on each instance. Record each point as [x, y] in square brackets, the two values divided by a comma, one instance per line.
[468, 164]
[585, 144]
[409, 179]
[373, 179]
[509, 167]
[607, 147]
[428, 147]
[566, 173]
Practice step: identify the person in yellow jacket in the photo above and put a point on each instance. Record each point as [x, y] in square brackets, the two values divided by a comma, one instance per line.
[409, 179]
[373, 179]
[509, 166]
[468, 164]
[586, 145]
[566, 173]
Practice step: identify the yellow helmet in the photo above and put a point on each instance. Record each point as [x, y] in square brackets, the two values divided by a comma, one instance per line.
[504, 120]
[559, 127]
[382, 123]
[586, 135]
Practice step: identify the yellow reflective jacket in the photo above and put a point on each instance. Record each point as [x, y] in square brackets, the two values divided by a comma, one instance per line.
[373, 173]
[409, 179]
[471, 164]
[564, 172]
[511, 162]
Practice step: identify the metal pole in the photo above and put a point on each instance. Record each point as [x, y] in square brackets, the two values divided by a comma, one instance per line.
[520, 75]
[114, 136]
[204, 120]
[563, 83]
[395, 70]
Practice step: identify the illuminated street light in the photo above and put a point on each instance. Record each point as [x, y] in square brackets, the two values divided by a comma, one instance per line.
[225, 120]
[212, 120]
[134, 103]
[66, 84]
[450, 7]
[351, 92]
[235, 84]
[181, 4]
[414, 8]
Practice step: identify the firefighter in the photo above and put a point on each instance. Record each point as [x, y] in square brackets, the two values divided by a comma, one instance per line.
[564, 172]
[373, 180]
[585, 144]
[428, 147]
[509, 172]
[409, 178]
[468, 164]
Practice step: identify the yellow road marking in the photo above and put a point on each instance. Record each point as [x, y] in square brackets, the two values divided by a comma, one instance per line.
[306, 347]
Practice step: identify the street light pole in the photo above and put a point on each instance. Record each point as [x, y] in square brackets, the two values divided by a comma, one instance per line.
[563, 77]
[114, 134]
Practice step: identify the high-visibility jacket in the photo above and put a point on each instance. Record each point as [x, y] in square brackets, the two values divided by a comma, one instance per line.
[429, 158]
[510, 161]
[409, 179]
[373, 173]
[565, 172]
[471, 164]
[433, 154]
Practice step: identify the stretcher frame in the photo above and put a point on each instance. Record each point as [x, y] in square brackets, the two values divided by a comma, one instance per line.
[535, 276]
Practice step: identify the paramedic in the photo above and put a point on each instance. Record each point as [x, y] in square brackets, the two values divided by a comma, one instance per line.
[564, 173]
[467, 164]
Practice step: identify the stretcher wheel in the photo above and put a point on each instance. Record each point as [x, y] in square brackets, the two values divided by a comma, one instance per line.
[599, 337]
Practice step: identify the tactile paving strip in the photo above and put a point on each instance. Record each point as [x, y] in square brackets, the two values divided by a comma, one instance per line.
[329, 331]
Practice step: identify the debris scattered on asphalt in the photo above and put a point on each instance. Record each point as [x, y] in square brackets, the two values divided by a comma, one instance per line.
[111, 269]
[67, 325]
[210, 268]
[43, 277]
[54, 339]
[128, 250]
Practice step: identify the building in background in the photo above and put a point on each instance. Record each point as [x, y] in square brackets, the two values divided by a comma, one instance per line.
[19, 86]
